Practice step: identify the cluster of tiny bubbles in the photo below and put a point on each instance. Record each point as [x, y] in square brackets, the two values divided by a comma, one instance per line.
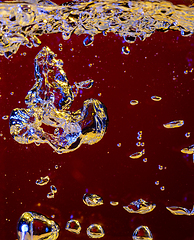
[119, 145]
[156, 98]
[145, 160]
[95, 231]
[23, 54]
[125, 50]
[157, 183]
[5, 117]
[160, 167]
[42, 181]
[88, 40]
[140, 144]
[134, 102]
[162, 188]
[73, 226]
[12, 93]
[187, 135]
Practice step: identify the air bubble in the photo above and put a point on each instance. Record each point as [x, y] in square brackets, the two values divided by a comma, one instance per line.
[43, 181]
[140, 206]
[187, 135]
[145, 160]
[125, 50]
[138, 144]
[95, 231]
[180, 211]
[188, 150]
[73, 226]
[136, 155]
[11, 93]
[160, 167]
[174, 124]
[142, 233]
[33, 226]
[156, 98]
[113, 203]
[162, 188]
[134, 102]
[88, 40]
[53, 189]
[56, 166]
[5, 117]
[157, 183]
[119, 145]
[186, 72]
[92, 200]
[50, 195]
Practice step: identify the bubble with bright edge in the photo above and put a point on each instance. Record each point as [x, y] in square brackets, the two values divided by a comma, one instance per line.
[95, 231]
[187, 135]
[174, 124]
[156, 98]
[125, 50]
[136, 155]
[113, 203]
[73, 226]
[180, 211]
[188, 150]
[92, 200]
[142, 233]
[140, 206]
[43, 181]
[134, 102]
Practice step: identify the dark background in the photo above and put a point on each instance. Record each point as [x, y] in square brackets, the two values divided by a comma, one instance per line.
[104, 168]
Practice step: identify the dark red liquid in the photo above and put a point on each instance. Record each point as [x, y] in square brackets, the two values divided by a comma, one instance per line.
[104, 168]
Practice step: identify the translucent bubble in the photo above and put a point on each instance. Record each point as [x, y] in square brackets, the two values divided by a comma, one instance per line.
[99, 94]
[125, 50]
[50, 195]
[160, 167]
[73, 226]
[113, 203]
[145, 160]
[33, 226]
[142, 233]
[142, 144]
[12, 93]
[140, 133]
[136, 155]
[88, 40]
[95, 231]
[188, 150]
[180, 211]
[174, 124]
[187, 135]
[92, 200]
[134, 102]
[43, 181]
[162, 188]
[53, 189]
[5, 117]
[138, 144]
[140, 206]
[60, 44]
[119, 145]
[156, 98]
[139, 137]
[56, 166]
[157, 182]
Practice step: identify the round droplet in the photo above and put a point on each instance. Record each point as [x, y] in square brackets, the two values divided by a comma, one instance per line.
[134, 102]
[5, 117]
[95, 231]
[125, 50]
[156, 98]
[157, 182]
[145, 160]
[142, 233]
[160, 167]
[187, 135]
[162, 188]
[56, 166]
[119, 145]
[73, 226]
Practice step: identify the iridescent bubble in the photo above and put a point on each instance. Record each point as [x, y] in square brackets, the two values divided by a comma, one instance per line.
[92, 200]
[180, 211]
[156, 98]
[113, 203]
[134, 102]
[34, 226]
[187, 135]
[88, 40]
[125, 50]
[157, 183]
[140, 206]
[188, 150]
[95, 231]
[5, 117]
[136, 155]
[160, 167]
[43, 181]
[73, 226]
[142, 233]
[174, 124]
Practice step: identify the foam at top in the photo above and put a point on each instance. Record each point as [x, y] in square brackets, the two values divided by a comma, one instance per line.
[22, 22]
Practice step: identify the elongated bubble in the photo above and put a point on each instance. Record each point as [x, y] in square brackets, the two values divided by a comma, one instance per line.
[42, 181]
[22, 22]
[174, 124]
[142, 233]
[73, 226]
[48, 103]
[180, 211]
[113, 203]
[136, 155]
[188, 150]
[95, 231]
[34, 226]
[156, 98]
[140, 206]
[92, 200]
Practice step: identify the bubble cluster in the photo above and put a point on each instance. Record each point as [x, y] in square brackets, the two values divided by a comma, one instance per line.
[48, 103]
[22, 22]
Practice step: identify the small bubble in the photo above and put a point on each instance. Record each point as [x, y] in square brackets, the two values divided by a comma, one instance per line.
[60, 44]
[72, 49]
[187, 135]
[162, 188]
[156, 98]
[50, 195]
[88, 40]
[99, 94]
[1, 134]
[53, 189]
[134, 102]
[142, 144]
[160, 167]
[56, 166]
[95, 231]
[37, 144]
[60, 49]
[53, 216]
[4, 138]
[140, 133]
[125, 50]
[43, 181]
[157, 182]
[113, 203]
[191, 70]
[12, 93]
[138, 144]
[90, 64]
[73, 226]
[174, 78]
[119, 145]
[143, 151]
[139, 137]
[5, 117]
[145, 160]
[186, 72]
